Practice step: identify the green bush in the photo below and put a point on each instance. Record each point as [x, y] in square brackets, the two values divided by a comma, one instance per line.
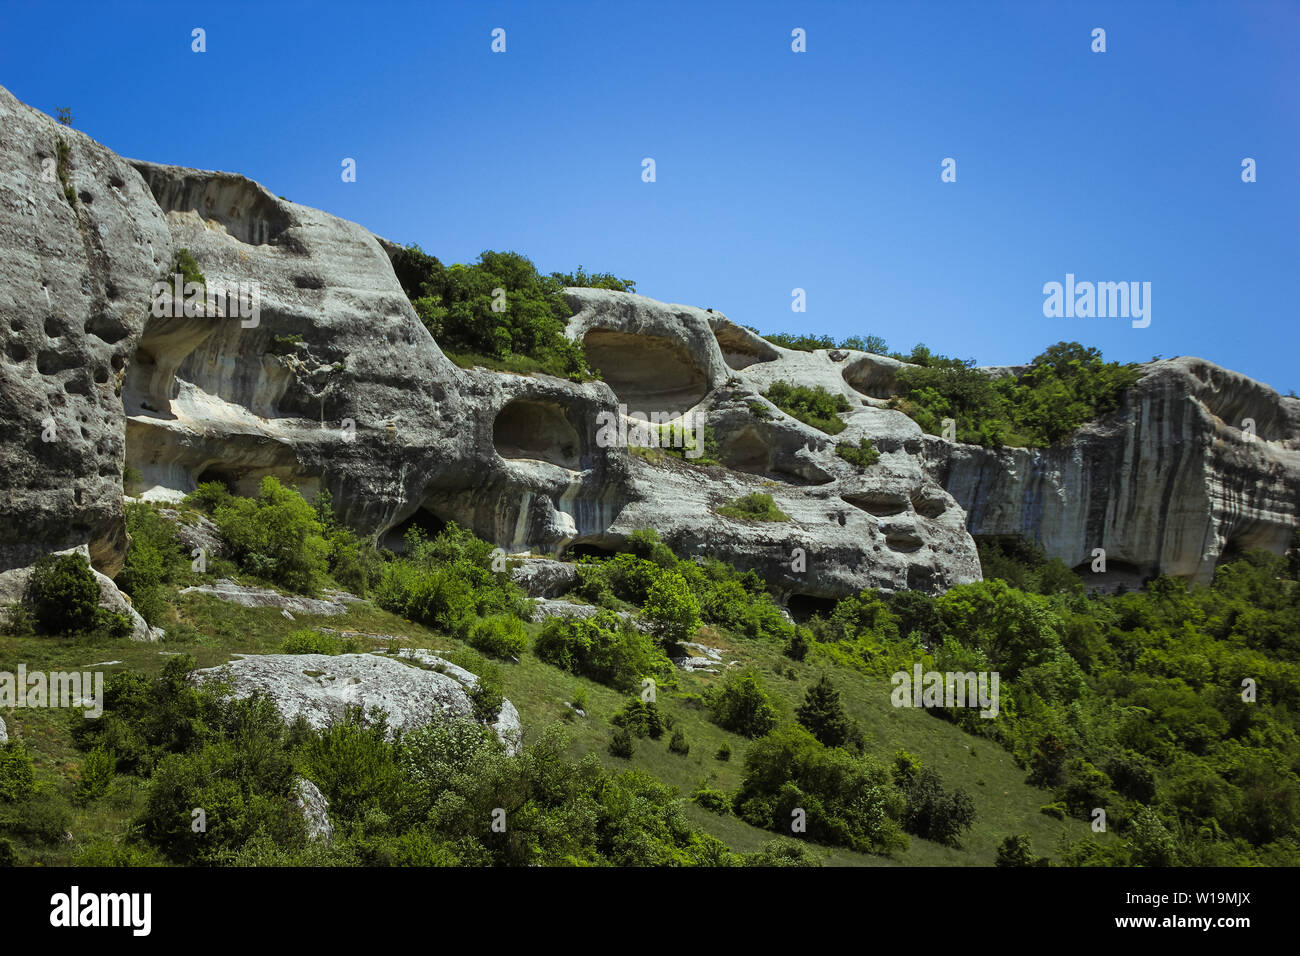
[671, 610]
[276, 536]
[809, 343]
[935, 813]
[715, 801]
[97, 770]
[500, 635]
[154, 560]
[1065, 386]
[307, 641]
[603, 648]
[621, 743]
[17, 776]
[63, 595]
[846, 800]
[448, 582]
[813, 406]
[678, 744]
[862, 456]
[823, 715]
[753, 507]
[784, 851]
[593, 280]
[184, 263]
[742, 704]
[641, 718]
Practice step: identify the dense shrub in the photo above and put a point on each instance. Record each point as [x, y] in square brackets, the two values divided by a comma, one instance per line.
[822, 714]
[500, 635]
[846, 800]
[642, 718]
[307, 641]
[741, 703]
[671, 611]
[935, 813]
[356, 565]
[276, 536]
[604, 648]
[455, 304]
[862, 455]
[813, 406]
[154, 560]
[593, 280]
[809, 343]
[757, 506]
[1065, 386]
[62, 596]
[240, 776]
[448, 582]
[17, 777]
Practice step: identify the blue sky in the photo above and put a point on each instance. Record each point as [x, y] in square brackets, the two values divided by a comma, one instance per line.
[775, 170]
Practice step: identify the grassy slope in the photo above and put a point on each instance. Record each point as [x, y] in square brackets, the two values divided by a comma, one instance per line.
[1004, 803]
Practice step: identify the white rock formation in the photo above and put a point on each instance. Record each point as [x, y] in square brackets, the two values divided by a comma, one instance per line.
[338, 385]
[321, 687]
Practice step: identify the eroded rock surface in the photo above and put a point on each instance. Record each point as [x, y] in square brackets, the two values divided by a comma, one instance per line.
[338, 385]
[321, 687]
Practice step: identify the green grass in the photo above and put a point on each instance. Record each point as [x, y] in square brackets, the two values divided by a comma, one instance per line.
[213, 631]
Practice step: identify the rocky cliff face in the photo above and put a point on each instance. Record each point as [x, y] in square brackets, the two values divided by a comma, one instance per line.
[1198, 462]
[336, 384]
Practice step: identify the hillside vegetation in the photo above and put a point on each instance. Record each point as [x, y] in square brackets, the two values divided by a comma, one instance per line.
[786, 750]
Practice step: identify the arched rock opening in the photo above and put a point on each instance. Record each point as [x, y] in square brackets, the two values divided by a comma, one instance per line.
[872, 377]
[648, 373]
[541, 431]
[741, 349]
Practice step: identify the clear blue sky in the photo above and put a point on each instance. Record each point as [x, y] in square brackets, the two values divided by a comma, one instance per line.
[775, 170]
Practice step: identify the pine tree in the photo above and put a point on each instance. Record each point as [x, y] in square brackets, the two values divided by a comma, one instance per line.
[823, 714]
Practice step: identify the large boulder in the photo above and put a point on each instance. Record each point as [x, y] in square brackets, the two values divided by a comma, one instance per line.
[322, 687]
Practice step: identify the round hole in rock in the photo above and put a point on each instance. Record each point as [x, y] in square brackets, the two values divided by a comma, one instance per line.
[537, 430]
[871, 377]
[928, 506]
[880, 504]
[648, 373]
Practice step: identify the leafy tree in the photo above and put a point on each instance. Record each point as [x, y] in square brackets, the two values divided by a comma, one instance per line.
[671, 610]
[276, 536]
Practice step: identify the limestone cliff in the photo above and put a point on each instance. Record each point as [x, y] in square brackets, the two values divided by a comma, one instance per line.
[338, 385]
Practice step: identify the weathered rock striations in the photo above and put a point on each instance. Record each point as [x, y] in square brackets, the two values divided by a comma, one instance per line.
[1171, 482]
